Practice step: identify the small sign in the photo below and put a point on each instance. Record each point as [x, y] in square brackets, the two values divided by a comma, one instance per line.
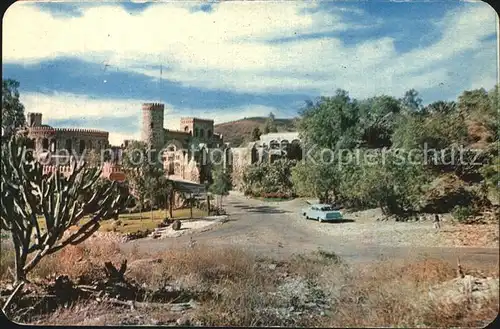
[117, 176]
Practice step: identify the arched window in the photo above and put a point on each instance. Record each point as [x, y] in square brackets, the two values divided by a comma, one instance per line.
[53, 145]
[274, 144]
[195, 132]
[32, 143]
[82, 145]
[186, 128]
[45, 144]
[202, 133]
[209, 133]
[69, 145]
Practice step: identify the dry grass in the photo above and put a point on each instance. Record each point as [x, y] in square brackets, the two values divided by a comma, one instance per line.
[241, 287]
[84, 261]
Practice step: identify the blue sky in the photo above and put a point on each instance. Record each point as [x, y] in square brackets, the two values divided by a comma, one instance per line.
[93, 64]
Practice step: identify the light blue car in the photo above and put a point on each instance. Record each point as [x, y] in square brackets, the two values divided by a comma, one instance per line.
[321, 212]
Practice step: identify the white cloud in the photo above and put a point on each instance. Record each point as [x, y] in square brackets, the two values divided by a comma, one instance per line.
[227, 48]
[117, 139]
[72, 106]
[66, 106]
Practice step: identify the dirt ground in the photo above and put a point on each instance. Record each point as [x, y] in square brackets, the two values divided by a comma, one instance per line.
[277, 229]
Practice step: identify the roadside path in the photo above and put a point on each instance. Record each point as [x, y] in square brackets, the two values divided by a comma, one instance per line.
[277, 230]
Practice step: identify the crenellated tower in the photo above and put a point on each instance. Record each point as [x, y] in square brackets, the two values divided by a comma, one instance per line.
[34, 119]
[152, 132]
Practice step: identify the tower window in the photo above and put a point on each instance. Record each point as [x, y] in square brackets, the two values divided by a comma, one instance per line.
[82, 146]
[151, 125]
[68, 145]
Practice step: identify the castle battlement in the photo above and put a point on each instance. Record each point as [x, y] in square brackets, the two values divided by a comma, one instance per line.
[153, 106]
[76, 132]
[83, 132]
[42, 129]
[191, 119]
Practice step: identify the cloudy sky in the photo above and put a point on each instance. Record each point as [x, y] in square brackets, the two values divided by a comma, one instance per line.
[92, 65]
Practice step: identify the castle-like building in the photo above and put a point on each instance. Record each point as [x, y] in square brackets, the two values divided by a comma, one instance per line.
[188, 153]
[72, 140]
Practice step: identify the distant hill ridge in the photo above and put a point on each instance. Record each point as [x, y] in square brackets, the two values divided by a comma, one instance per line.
[239, 132]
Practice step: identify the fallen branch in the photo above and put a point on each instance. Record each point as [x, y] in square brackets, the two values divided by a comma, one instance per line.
[14, 293]
[134, 304]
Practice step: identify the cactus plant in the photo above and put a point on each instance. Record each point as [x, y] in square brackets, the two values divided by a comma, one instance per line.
[30, 198]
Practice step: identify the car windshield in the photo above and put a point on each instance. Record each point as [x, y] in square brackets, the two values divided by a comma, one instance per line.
[326, 208]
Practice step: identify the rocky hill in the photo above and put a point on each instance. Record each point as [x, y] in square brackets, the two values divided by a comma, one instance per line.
[240, 131]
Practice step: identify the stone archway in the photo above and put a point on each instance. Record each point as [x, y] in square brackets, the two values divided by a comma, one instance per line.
[45, 144]
[294, 150]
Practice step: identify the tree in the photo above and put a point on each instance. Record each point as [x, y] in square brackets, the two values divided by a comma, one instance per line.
[411, 101]
[479, 105]
[221, 184]
[377, 115]
[389, 181]
[316, 180]
[270, 125]
[30, 199]
[269, 179]
[475, 101]
[494, 95]
[147, 178]
[12, 109]
[441, 107]
[437, 130]
[331, 122]
[256, 134]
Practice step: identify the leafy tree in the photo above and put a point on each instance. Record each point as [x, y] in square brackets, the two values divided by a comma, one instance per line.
[39, 209]
[494, 96]
[221, 184]
[316, 180]
[147, 180]
[491, 174]
[441, 107]
[377, 115]
[261, 179]
[331, 122]
[388, 181]
[12, 108]
[481, 106]
[256, 134]
[475, 101]
[270, 125]
[437, 130]
[411, 101]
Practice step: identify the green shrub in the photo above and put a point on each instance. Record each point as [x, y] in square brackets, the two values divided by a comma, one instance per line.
[463, 214]
[263, 178]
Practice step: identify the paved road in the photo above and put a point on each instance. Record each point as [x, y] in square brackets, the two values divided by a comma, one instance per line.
[276, 231]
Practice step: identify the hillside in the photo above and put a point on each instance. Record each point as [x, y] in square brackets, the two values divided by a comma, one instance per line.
[240, 131]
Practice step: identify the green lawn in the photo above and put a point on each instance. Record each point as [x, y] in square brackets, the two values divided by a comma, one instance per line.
[135, 222]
